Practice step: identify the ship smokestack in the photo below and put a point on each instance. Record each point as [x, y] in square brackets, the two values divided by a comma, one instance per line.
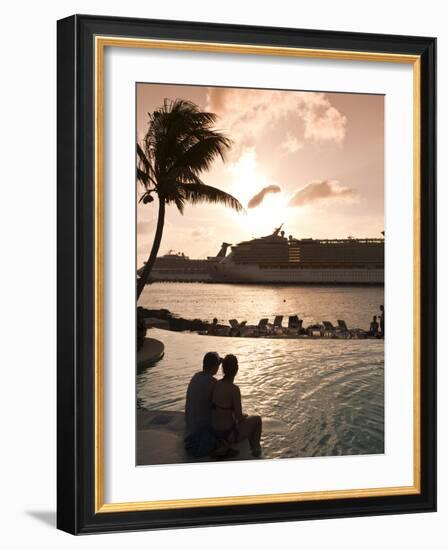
[222, 253]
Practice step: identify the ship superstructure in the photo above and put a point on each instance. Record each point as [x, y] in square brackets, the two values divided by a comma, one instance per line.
[278, 259]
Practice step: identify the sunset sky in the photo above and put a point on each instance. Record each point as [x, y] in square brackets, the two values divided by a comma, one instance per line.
[311, 160]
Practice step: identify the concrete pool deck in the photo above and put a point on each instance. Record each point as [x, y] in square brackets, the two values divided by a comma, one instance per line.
[160, 440]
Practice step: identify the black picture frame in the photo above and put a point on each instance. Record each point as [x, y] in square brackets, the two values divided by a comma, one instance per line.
[76, 512]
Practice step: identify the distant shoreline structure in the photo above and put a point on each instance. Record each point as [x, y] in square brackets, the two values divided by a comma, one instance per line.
[275, 259]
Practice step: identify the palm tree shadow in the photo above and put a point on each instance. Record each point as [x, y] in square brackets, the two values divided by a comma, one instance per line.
[48, 517]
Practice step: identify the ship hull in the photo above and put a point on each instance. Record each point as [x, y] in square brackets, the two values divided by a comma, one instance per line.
[226, 272]
[180, 277]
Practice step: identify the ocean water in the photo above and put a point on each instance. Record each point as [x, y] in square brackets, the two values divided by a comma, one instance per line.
[319, 397]
[355, 304]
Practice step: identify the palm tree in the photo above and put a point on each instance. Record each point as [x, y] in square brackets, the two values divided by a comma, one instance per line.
[179, 145]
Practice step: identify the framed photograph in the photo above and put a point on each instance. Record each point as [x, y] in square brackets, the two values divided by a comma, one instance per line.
[239, 210]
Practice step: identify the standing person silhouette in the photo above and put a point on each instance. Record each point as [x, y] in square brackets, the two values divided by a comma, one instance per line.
[228, 420]
[382, 321]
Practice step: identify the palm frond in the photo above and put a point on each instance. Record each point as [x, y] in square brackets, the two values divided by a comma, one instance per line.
[180, 144]
[145, 171]
[142, 177]
[197, 193]
[142, 158]
[200, 156]
[180, 176]
[179, 201]
[174, 128]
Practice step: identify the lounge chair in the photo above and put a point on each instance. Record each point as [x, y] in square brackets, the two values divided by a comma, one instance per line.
[293, 321]
[343, 329]
[294, 324]
[235, 324]
[262, 326]
[277, 326]
[329, 329]
[236, 327]
[278, 321]
[315, 330]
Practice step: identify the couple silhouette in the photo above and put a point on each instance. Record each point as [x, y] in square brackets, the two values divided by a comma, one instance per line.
[213, 411]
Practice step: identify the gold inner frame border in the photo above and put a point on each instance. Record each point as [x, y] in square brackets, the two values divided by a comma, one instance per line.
[101, 42]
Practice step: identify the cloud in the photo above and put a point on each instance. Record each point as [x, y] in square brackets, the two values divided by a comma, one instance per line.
[246, 114]
[258, 198]
[318, 190]
[291, 143]
[325, 123]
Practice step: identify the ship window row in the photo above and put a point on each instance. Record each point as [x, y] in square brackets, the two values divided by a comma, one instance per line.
[333, 276]
[320, 265]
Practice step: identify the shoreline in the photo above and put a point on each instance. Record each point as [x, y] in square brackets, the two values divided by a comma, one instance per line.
[265, 283]
[166, 320]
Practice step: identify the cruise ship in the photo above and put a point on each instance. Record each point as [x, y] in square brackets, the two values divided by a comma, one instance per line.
[278, 259]
[177, 267]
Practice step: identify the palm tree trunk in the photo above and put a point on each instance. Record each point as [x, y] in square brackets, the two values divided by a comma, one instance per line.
[155, 249]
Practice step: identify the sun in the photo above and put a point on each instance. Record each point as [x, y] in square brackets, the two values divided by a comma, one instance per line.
[262, 219]
[246, 180]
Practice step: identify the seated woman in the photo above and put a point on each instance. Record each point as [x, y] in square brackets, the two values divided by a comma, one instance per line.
[228, 420]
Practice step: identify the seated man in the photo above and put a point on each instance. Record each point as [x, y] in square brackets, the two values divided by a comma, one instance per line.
[198, 399]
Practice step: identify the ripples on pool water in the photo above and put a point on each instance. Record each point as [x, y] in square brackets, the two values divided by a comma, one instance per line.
[317, 397]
